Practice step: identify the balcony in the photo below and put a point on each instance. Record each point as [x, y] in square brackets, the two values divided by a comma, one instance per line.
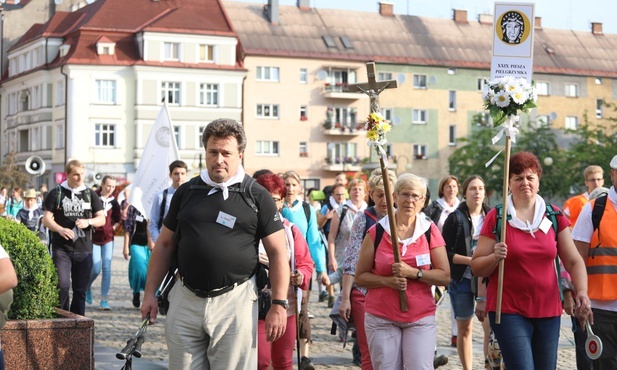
[345, 129]
[352, 164]
[340, 91]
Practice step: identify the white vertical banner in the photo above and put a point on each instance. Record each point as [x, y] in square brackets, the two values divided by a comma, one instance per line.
[513, 40]
[152, 174]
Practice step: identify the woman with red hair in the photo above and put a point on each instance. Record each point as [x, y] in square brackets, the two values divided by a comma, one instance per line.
[279, 354]
[528, 334]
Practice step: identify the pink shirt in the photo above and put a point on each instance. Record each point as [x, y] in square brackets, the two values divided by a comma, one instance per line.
[530, 283]
[384, 302]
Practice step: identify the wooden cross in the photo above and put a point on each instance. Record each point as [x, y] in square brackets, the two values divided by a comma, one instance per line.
[372, 88]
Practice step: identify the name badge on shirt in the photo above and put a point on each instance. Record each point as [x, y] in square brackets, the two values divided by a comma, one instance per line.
[545, 225]
[226, 220]
[139, 218]
[85, 205]
[423, 259]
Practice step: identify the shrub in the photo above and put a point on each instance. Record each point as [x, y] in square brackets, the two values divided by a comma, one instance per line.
[36, 294]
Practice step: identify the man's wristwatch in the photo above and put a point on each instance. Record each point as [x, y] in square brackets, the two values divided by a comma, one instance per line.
[89, 222]
[281, 302]
[419, 275]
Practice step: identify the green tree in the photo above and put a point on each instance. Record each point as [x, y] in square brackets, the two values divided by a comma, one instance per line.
[11, 175]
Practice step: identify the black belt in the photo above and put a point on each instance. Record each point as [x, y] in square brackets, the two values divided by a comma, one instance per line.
[214, 292]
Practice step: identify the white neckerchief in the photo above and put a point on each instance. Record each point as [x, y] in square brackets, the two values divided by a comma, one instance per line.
[237, 178]
[106, 201]
[422, 224]
[75, 191]
[333, 203]
[446, 206]
[31, 211]
[539, 211]
[353, 206]
[612, 195]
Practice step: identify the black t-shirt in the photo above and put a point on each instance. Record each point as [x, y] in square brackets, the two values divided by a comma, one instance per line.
[210, 254]
[70, 210]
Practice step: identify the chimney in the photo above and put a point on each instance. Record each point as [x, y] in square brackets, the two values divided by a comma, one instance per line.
[271, 10]
[596, 28]
[304, 4]
[386, 9]
[485, 18]
[460, 16]
[537, 23]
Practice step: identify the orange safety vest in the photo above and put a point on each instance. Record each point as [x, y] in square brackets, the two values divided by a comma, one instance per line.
[602, 260]
[573, 206]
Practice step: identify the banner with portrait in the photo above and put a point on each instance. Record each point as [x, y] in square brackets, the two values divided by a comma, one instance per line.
[513, 29]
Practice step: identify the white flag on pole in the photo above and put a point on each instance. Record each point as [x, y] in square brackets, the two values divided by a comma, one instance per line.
[152, 174]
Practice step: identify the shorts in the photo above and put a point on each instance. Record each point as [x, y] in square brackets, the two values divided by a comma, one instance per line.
[462, 299]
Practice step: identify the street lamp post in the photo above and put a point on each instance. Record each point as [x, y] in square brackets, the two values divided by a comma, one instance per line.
[197, 163]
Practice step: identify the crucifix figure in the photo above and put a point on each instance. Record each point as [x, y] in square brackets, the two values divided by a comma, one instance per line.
[373, 88]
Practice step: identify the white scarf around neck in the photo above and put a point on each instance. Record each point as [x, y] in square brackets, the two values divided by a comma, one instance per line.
[237, 178]
[334, 204]
[446, 206]
[422, 225]
[353, 207]
[539, 214]
[75, 191]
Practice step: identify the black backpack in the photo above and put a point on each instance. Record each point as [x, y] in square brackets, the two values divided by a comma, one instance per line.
[597, 213]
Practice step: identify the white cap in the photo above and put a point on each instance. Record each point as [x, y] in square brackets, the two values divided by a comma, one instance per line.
[614, 163]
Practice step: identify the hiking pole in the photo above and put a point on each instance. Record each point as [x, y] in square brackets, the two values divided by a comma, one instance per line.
[298, 304]
[133, 345]
[504, 223]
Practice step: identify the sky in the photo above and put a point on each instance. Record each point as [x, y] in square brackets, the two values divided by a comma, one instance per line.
[562, 14]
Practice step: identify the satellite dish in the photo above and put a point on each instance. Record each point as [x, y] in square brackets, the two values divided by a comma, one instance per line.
[331, 146]
[432, 80]
[322, 75]
[400, 78]
[57, 2]
[396, 121]
[552, 116]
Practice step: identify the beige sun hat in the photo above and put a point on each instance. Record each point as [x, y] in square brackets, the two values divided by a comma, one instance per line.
[30, 193]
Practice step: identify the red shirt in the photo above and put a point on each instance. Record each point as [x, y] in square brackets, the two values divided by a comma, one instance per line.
[530, 283]
[384, 302]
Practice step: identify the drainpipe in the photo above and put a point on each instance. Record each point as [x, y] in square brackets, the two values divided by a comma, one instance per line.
[66, 114]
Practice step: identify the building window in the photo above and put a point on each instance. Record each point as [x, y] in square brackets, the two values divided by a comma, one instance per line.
[200, 135]
[598, 80]
[35, 139]
[268, 74]
[452, 100]
[209, 94]
[46, 142]
[105, 91]
[341, 77]
[36, 97]
[303, 148]
[104, 135]
[171, 51]
[420, 151]
[267, 111]
[419, 116]
[59, 136]
[178, 136]
[572, 90]
[451, 71]
[387, 113]
[480, 84]
[382, 76]
[60, 93]
[419, 81]
[303, 113]
[542, 88]
[342, 153]
[267, 148]
[452, 135]
[599, 108]
[303, 76]
[170, 92]
[206, 53]
[571, 123]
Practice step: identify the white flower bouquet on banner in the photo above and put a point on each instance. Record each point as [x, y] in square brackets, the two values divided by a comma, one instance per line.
[505, 97]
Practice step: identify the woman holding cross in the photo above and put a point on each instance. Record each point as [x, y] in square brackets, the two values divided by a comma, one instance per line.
[398, 339]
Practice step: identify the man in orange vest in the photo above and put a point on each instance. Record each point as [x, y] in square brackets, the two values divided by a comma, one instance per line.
[598, 249]
[594, 177]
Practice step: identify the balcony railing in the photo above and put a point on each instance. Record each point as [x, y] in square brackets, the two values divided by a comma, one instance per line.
[340, 91]
[345, 129]
[343, 164]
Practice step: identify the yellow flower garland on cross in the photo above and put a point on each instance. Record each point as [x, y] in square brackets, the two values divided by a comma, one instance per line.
[376, 128]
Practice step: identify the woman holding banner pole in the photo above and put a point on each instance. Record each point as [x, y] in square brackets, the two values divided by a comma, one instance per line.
[528, 334]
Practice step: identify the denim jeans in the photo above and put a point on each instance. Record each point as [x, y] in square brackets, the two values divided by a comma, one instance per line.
[527, 344]
[101, 255]
[74, 270]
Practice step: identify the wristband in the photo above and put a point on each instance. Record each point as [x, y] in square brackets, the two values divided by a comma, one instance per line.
[480, 299]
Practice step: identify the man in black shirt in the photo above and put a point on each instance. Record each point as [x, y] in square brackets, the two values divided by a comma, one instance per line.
[212, 317]
[72, 210]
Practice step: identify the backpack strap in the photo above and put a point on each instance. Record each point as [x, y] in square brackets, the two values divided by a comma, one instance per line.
[245, 189]
[162, 210]
[344, 210]
[552, 215]
[307, 211]
[463, 230]
[597, 213]
[370, 216]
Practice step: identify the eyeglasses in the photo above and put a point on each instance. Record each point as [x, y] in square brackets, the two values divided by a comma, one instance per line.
[339, 195]
[412, 197]
[277, 200]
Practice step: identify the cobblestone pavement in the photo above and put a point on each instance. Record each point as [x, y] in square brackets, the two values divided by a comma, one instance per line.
[113, 328]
